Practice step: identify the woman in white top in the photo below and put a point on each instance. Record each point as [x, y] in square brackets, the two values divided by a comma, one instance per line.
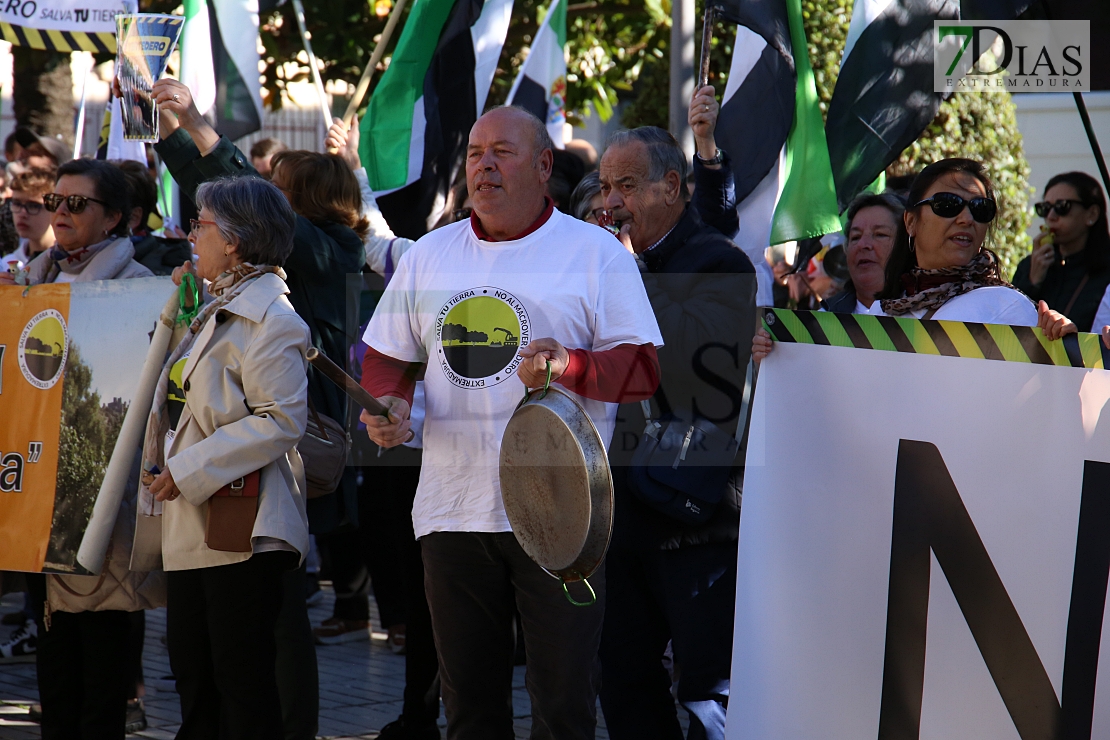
[939, 267]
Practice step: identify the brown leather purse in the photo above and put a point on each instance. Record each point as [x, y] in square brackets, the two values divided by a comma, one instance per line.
[231, 514]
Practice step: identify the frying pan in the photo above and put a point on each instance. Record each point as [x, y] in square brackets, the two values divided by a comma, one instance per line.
[557, 487]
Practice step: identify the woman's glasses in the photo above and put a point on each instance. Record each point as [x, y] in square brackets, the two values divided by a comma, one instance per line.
[75, 203]
[196, 223]
[1062, 207]
[29, 207]
[950, 205]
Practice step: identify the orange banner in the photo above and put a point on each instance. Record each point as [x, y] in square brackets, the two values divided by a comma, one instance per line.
[34, 345]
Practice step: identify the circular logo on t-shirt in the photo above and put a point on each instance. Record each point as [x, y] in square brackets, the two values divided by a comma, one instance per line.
[43, 348]
[478, 333]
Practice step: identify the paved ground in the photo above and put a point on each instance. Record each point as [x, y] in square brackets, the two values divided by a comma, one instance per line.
[361, 686]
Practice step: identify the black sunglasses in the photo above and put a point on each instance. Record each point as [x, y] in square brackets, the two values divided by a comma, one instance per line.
[950, 205]
[1062, 207]
[29, 206]
[75, 203]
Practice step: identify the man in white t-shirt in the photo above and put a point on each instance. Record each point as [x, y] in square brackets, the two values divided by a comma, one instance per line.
[477, 308]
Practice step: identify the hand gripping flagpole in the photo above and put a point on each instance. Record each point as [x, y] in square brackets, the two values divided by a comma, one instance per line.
[298, 10]
[379, 52]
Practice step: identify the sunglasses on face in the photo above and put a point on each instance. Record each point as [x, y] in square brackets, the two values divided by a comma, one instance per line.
[29, 207]
[75, 203]
[1062, 207]
[950, 205]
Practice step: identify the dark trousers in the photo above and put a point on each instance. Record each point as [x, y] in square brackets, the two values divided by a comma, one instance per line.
[397, 570]
[473, 580]
[220, 626]
[298, 681]
[684, 596]
[84, 675]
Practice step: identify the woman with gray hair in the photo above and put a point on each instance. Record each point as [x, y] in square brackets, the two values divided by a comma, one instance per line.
[221, 467]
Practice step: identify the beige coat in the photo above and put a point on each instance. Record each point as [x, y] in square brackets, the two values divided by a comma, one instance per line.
[246, 408]
[116, 261]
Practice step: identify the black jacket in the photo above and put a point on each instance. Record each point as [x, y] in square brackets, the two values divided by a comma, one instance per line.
[1060, 286]
[702, 290]
[323, 254]
[842, 302]
[715, 196]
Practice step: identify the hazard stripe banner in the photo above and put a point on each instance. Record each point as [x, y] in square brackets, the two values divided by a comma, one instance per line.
[63, 41]
[945, 338]
[924, 543]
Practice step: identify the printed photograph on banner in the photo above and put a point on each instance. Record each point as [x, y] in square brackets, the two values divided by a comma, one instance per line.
[913, 560]
[110, 328]
[145, 42]
[1011, 56]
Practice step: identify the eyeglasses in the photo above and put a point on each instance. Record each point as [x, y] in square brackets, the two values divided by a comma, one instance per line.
[1062, 207]
[29, 207]
[950, 205]
[196, 223]
[75, 203]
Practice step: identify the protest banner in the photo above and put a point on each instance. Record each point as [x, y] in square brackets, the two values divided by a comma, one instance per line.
[145, 43]
[63, 25]
[925, 538]
[71, 357]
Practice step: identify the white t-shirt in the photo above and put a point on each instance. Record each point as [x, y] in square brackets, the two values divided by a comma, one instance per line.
[465, 307]
[1102, 316]
[995, 304]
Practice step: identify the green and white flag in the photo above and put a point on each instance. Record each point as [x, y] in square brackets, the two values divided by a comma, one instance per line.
[541, 85]
[415, 129]
[219, 63]
[807, 206]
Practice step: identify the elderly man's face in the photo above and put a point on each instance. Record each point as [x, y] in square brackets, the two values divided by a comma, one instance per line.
[502, 172]
[646, 207]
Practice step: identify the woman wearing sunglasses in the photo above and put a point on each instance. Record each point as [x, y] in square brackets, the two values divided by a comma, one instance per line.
[1069, 268]
[939, 267]
[32, 220]
[92, 241]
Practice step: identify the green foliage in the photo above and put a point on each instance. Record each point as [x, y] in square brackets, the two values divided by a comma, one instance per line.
[88, 435]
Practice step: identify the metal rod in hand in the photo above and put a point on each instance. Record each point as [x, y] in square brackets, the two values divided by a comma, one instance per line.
[379, 52]
[706, 37]
[349, 385]
[1099, 159]
[325, 111]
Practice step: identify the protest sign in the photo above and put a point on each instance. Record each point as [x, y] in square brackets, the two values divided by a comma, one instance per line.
[70, 361]
[145, 44]
[925, 539]
[63, 25]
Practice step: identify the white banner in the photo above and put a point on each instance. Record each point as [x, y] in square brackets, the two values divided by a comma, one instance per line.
[908, 560]
[88, 16]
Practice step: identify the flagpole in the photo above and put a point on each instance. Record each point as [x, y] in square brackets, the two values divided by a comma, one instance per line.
[1099, 159]
[298, 10]
[706, 38]
[379, 52]
[81, 114]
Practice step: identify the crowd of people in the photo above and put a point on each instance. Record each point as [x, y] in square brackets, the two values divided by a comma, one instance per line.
[615, 278]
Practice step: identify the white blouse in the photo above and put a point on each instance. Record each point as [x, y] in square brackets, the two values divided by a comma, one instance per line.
[995, 304]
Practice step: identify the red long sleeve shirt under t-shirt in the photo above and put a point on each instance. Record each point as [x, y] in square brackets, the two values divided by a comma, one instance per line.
[625, 373]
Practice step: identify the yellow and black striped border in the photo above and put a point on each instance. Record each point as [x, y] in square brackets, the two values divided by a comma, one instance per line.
[947, 338]
[64, 41]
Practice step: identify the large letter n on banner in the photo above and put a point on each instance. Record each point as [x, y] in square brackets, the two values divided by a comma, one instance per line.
[930, 515]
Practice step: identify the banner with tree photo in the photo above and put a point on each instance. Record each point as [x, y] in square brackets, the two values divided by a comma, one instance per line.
[925, 539]
[71, 359]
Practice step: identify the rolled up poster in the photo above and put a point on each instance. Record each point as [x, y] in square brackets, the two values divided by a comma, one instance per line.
[144, 42]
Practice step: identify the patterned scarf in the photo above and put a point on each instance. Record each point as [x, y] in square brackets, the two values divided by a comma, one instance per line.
[225, 288]
[926, 289]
